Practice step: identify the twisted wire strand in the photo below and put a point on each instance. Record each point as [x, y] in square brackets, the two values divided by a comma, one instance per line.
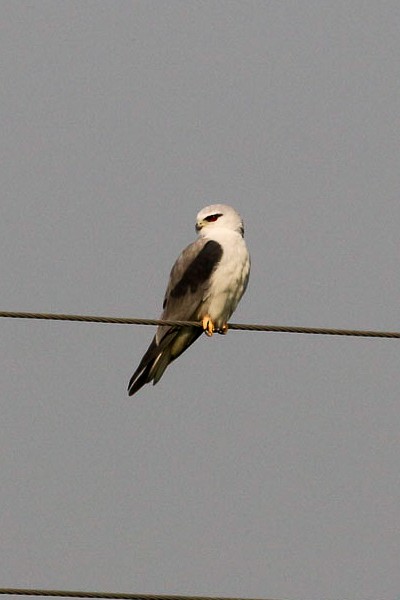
[233, 326]
[105, 595]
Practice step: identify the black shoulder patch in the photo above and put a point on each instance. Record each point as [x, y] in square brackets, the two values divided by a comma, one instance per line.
[199, 269]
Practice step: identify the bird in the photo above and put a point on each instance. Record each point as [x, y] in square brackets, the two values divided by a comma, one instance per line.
[205, 285]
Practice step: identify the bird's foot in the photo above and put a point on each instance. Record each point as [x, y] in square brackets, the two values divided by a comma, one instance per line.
[224, 329]
[208, 325]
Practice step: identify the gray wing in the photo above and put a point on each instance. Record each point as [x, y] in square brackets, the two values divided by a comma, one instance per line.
[187, 289]
[189, 282]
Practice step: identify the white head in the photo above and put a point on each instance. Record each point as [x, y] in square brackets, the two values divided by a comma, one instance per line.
[219, 216]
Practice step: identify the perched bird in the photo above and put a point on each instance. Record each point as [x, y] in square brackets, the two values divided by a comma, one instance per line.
[206, 283]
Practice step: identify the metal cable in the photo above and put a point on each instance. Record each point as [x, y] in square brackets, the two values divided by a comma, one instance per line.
[106, 595]
[233, 326]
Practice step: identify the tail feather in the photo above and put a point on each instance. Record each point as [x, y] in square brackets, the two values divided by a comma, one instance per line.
[143, 373]
[161, 364]
[139, 380]
[159, 356]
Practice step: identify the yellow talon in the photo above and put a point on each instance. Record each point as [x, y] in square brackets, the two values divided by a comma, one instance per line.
[224, 329]
[208, 325]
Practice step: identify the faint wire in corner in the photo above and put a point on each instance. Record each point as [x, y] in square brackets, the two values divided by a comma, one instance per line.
[107, 595]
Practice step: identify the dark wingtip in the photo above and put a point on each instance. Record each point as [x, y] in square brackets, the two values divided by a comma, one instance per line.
[141, 375]
[139, 379]
[135, 386]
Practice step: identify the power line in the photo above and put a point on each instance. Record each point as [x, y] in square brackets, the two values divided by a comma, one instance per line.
[234, 326]
[104, 595]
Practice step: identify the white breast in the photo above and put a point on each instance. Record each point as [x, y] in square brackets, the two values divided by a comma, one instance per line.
[229, 280]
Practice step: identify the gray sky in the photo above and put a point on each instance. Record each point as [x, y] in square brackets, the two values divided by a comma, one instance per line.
[262, 464]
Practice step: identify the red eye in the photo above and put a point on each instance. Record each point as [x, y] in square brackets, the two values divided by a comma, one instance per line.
[212, 218]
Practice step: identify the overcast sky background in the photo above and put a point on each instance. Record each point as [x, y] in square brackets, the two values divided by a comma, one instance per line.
[262, 464]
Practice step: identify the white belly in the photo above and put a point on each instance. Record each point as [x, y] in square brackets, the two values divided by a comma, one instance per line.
[229, 280]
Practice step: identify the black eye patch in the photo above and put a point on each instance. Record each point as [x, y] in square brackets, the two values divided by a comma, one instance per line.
[212, 218]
